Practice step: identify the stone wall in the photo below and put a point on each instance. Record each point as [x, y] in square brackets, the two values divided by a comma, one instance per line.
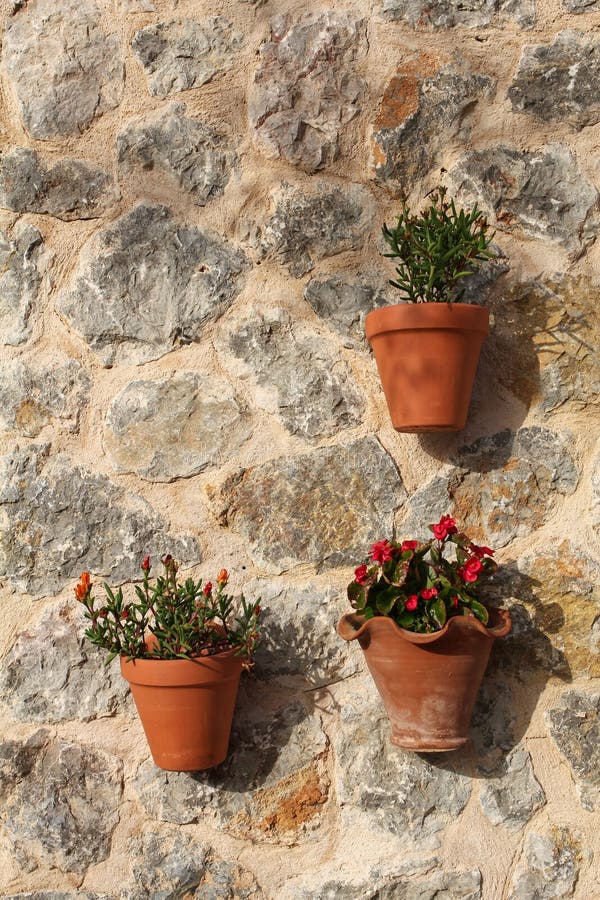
[191, 197]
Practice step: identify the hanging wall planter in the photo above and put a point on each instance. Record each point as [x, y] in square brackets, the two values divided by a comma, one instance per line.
[182, 658]
[427, 348]
[425, 635]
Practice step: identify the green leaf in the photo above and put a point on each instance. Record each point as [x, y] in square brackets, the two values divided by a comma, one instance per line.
[437, 611]
[480, 611]
[386, 599]
[357, 595]
[406, 620]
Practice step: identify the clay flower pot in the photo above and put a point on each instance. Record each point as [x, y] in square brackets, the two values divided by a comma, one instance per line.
[186, 707]
[427, 355]
[428, 682]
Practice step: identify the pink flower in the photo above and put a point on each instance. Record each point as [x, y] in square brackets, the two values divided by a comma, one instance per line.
[445, 527]
[411, 602]
[360, 575]
[480, 552]
[408, 545]
[381, 552]
[429, 593]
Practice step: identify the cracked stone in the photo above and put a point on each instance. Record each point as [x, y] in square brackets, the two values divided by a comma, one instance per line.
[63, 67]
[548, 868]
[424, 106]
[189, 152]
[306, 88]
[307, 228]
[60, 801]
[325, 507]
[344, 303]
[146, 284]
[34, 393]
[513, 797]
[559, 82]
[60, 519]
[183, 54]
[298, 376]
[439, 14]
[574, 725]
[541, 194]
[22, 264]
[175, 427]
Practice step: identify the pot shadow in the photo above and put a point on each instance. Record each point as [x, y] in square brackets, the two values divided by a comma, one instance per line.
[520, 666]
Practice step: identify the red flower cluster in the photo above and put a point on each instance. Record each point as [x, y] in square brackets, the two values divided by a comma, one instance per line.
[480, 552]
[471, 569]
[411, 602]
[429, 593]
[445, 527]
[408, 545]
[381, 552]
[360, 575]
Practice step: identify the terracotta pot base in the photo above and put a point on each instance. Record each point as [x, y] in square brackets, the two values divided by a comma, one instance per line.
[444, 745]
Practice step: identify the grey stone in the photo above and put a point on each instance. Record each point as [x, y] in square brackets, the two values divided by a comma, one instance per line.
[171, 865]
[35, 393]
[510, 481]
[443, 885]
[424, 106]
[188, 152]
[595, 480]
[64, 68]
[559, 82]
[513, 797]
[22, 264]
[581, 6]
[344, 303]
[541, 194]
[57, 895]
[60, 519]
[183, 54]
[137, 6]
[425, 507]
[60, 802]
[307, 87]
[450, 13]
[175, 427]
[146, 284]
[306, 228]
[271, 787]
[399, 793]
[493, 722]
[299, 642]
[52, 674]
[548, 868]
[299, 376]
[70, 189]
[325, 507]
[574, 725]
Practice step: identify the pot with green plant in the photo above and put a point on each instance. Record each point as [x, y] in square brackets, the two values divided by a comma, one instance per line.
[426, 632]
[182, 647]
[427, 348]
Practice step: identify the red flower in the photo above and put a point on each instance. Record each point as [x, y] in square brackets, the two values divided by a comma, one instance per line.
[360, 575]
[223, 577]
[408, 545]
[102, 613]
[471, 569]
[381, 552]
[445, 527]
[429, 593]
[207, 589]
[454, 601]
[146, 564]
[82, 589]
[411, 602]
[125, 614]
[480, 552]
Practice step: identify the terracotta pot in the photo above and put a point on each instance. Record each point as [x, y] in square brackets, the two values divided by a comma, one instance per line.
[186, 707]
[427, 355]
[428, 682]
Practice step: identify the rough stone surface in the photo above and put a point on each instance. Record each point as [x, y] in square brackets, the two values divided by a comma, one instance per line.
[325, 507]
[34, 394]
[52, 674]
[344, 303]
[548, 868]
[307, 228]
[173, 864]
[272, 787]
[22, 263]
[596, 494]
[399, 793]
[441, 14]
[541, 194]
[57, 895]
[297, 373]
[574, 725]
[187, 151]
[513, 797]
[560, 82]
[183, 54]
[70, 189]
[175, 427]
[516, 478]
[443, 885]
[306, 88]
[146, 284]
[581, 6]
[59, 519]
[493, 723]
[423, 108]
[60, 802]
[300, 643]
[64, 68]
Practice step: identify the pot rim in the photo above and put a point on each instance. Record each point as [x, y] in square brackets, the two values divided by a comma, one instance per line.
[417, 316]
[352, 625]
